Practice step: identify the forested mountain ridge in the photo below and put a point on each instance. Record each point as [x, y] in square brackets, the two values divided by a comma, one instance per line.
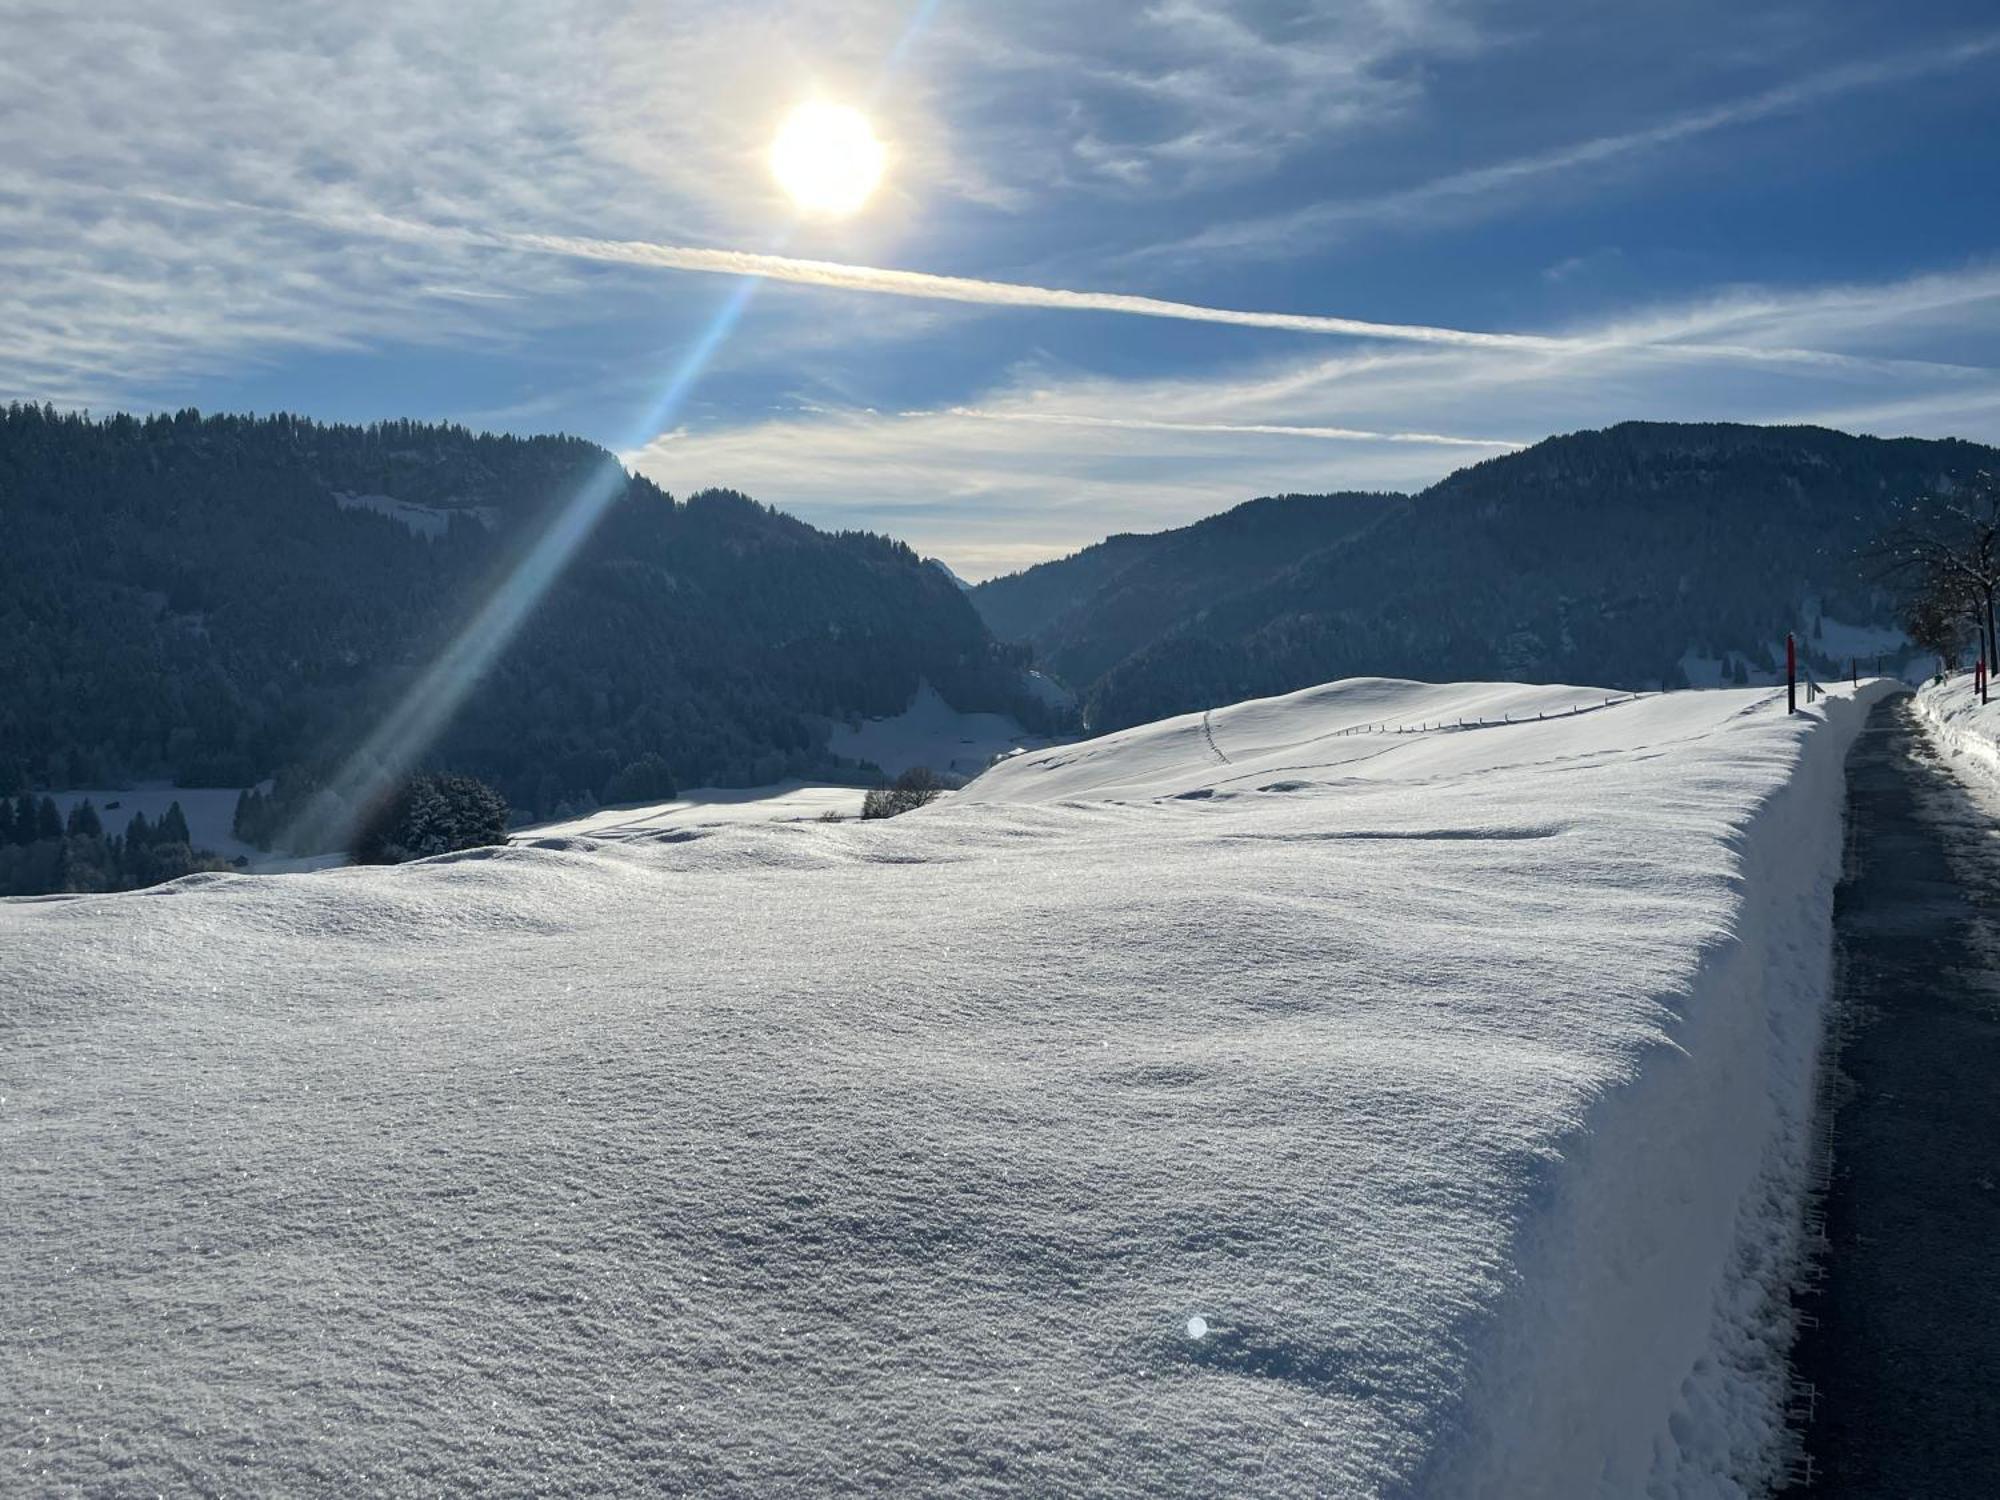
[1087, 612]
[1602, 557]
[216, 597]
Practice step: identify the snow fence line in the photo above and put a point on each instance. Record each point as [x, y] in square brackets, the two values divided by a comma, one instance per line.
[1965, 728]
[1659, 1279]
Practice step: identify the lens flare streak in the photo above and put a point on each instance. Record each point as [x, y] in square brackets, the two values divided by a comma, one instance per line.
[427, 707]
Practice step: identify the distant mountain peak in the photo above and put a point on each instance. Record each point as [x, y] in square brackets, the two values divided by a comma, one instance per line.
[945, 568]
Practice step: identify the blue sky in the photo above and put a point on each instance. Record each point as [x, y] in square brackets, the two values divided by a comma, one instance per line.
[504, 216]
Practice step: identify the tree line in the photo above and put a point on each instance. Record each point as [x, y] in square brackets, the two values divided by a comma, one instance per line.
[1609, 557]
[212, 599]
[44, 852]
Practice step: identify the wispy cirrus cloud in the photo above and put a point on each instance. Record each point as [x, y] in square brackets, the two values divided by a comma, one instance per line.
[1248, 429]
[301, 207]
[640, 122]
[1230, 89]
[123, 127]
[1112, 454]
[123, 130]
[1505, 186]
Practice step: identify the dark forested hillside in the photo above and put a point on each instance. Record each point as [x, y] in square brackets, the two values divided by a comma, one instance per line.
[215, 598]
[1601, 557]
[1087, 612]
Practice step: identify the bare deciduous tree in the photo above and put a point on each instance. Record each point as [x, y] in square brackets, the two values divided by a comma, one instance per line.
[1941, 616]
[917, 787]
[1946, 550]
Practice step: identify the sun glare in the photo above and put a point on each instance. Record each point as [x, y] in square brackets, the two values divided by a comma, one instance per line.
[827, 157]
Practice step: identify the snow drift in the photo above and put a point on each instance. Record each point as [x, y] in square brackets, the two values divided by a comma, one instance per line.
[1257, 1102]
[1965, 728]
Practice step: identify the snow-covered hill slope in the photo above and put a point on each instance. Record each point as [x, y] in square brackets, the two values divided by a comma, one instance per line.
[705, 807]
[1244, 1104]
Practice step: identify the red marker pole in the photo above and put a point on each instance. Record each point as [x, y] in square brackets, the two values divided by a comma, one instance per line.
[1791, 674]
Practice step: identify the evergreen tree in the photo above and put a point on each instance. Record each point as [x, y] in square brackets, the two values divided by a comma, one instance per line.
[430, 815]
[173, 827]
[84, 822]
[48, 819]
[646, 779]
[248, 824]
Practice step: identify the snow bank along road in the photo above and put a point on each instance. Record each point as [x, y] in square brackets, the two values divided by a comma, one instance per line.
[1365, 1115]
[1964, 728]
[1905, 1352]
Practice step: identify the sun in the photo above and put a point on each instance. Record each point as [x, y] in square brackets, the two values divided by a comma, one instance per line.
[827, 157]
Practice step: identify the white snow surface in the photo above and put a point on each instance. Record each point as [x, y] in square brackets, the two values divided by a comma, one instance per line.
[706, 807]
[210, 812]
[1241, 1104]
[1967, 730]
[1862, 643]
[930, 732]
[429, 521]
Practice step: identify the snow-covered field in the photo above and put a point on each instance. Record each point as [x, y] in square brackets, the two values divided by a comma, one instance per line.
[930, 732]
[1234, 1105]
[1837, 647]
[210, 812]
[211, 815]
[424, 520]
[211, 818]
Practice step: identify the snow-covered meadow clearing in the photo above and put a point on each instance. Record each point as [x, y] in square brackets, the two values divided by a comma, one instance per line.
[930, 732]
[210, 812]
[1238, 1104]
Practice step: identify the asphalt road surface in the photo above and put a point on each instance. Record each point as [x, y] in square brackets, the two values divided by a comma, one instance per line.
[1906, 1357]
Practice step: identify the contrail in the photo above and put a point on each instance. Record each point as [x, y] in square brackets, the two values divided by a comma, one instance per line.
[889, 281]
[853, 278]
[894, 282]
[1265, 429]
